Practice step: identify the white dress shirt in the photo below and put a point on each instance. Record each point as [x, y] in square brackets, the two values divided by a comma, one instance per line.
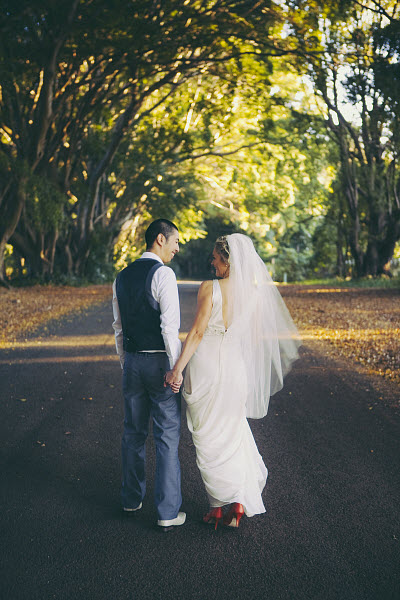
[164, 290]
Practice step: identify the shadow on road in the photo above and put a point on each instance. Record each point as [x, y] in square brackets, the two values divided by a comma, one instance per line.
[331, 529]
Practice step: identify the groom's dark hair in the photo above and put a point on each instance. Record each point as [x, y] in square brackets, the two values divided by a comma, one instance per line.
[163, 226]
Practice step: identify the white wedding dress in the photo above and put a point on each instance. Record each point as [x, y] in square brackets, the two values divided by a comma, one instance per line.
[215, 390]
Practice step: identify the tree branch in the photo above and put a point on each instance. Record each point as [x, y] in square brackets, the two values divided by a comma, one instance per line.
[45, 103]
[379, 10]
[218, 154]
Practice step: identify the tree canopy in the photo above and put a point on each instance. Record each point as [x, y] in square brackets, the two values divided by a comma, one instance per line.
[216, 114]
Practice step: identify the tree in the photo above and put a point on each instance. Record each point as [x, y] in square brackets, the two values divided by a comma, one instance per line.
[275, 187]
[347, 69]
[81, 72]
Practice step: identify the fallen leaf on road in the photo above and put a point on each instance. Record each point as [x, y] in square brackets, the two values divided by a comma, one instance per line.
[362, 325]
[36, 305]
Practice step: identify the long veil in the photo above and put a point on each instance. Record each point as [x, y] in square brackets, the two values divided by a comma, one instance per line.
[259, 318]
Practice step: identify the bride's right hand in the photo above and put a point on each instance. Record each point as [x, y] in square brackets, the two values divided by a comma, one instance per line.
[175, 387]
[174, 380]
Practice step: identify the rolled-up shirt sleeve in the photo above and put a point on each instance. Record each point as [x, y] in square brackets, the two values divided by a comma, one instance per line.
[165, 291]
[117, 326]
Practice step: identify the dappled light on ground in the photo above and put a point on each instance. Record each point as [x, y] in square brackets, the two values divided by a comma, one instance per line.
[85, 358]
[22, 310]
[362, 325]
[61, 349]
[69, 341]
[323, 290]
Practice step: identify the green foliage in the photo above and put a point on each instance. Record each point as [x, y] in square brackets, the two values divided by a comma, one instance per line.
[123, 112]
[386, 66]
[290, 265]
[100, 267]
[382, 281]
[79, 80]
[44, 204]
[355, 68]
[194, 258]
[323, 261]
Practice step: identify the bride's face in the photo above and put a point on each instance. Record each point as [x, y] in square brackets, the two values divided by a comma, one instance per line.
[219, 265]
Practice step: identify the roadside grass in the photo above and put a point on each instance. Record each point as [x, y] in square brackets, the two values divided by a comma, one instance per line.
[365, 282]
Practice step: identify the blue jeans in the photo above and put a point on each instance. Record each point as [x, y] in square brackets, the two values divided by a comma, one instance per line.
[145, 396]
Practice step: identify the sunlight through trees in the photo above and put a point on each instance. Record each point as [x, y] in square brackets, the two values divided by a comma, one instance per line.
[279, 119]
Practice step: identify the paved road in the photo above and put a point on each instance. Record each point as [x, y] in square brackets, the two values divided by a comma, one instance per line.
[331, 530]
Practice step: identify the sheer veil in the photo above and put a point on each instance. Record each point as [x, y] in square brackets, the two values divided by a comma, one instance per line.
[258, 317]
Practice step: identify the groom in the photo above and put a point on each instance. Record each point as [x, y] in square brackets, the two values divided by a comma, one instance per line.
[146, 324]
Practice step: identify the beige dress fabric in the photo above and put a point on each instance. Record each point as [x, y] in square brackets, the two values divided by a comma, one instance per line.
[215, 392]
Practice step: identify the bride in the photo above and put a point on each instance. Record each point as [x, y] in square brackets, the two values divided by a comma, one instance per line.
[242, 343]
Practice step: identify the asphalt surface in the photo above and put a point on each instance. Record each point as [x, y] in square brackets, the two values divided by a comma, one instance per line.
[330, 441]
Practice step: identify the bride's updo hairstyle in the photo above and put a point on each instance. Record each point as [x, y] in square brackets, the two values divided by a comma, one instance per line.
[222, 248]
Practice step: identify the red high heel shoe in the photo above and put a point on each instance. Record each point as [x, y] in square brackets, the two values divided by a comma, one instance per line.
[233, 516]
[214, 515]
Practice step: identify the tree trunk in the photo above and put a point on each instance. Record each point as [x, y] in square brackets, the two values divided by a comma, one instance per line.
[70, 263]
[340, 242]
[3, 281]
[370, 262]
[387, 246]
[12, 205]
[340, 267]
[52, 252]
[355, 249]
[38, 250]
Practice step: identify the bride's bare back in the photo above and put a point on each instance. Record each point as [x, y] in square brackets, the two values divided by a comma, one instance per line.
[225, 300]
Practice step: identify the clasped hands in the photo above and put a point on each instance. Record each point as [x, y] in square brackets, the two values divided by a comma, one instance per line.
[174, 380]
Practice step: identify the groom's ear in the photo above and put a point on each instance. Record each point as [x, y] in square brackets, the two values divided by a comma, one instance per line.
[161, 239]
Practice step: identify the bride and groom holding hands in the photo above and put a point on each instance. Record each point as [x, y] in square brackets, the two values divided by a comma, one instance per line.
[242, 343]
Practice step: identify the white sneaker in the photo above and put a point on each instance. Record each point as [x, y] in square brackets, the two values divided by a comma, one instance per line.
[132, 510]
[168, 524]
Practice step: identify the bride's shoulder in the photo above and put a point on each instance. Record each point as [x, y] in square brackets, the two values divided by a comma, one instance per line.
[206, 285]
[205, 289]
